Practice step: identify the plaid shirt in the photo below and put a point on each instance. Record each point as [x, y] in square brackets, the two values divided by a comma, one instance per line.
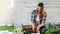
[34, 16]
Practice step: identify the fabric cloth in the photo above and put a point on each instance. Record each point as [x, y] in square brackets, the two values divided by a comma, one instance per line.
[35, 18]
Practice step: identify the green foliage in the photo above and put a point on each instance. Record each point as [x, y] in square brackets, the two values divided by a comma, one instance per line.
[51, 30]
[9, 28]
[18, 30]
[27, 32]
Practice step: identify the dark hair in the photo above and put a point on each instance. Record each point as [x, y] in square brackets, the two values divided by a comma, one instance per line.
[42, 7]
[40, 4]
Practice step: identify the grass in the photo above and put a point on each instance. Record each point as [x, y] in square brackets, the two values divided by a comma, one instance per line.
[9, 28]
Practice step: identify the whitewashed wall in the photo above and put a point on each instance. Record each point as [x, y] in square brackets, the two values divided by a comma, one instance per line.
[23, 9]
[53, 11]
[6, 12]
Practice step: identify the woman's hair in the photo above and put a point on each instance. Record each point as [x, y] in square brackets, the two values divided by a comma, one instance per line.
[42, 8]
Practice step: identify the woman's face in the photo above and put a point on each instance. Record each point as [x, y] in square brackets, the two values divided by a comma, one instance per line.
[39, 8]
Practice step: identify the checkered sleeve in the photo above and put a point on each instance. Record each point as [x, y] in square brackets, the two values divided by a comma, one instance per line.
[32, 15]
[44, 18]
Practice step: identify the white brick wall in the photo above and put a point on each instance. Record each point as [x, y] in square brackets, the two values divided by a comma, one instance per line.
[23, 9]
[52, 9]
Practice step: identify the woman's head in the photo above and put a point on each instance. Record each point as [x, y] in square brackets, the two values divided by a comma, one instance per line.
[40, 6]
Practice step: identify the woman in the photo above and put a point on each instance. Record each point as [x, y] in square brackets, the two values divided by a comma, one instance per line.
[38, 18]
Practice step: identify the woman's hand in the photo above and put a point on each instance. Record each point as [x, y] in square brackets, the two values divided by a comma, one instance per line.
[37, 29]
[39, 26]
[33, 27]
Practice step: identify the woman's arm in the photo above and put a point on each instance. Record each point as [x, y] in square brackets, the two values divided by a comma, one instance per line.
[33, 27]
[32, 20]
[41, 25]
[43, 22]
